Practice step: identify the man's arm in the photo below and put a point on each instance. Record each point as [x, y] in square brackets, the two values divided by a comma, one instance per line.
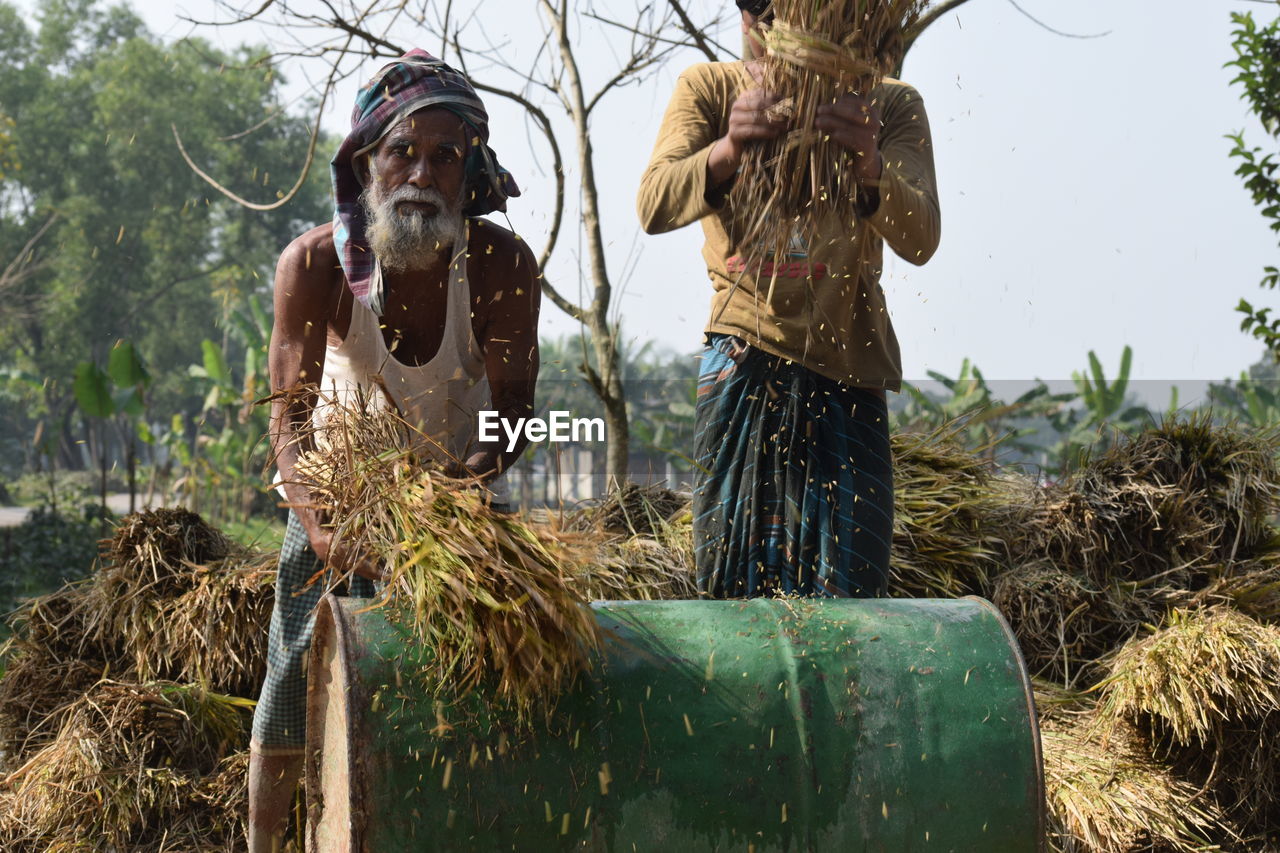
[512, 287]
[692, 165]
[893, 161]
[307, 290]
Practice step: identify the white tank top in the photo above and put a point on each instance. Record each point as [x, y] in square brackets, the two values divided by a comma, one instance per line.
[441, 397]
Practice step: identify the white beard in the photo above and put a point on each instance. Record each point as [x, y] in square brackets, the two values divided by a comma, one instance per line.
[411, 240]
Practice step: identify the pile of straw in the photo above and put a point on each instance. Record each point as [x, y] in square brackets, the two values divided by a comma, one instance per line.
[1206, 689]
[1172, 528]
[817, 51]
[1163, 505]
[132, 766]
[633, 510]
[1251, 587]
[643, 540]
[1108, 795]
[1165, 519]
[951, 510]
[118, 717]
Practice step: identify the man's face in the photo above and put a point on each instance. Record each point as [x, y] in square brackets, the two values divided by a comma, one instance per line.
[413, 195]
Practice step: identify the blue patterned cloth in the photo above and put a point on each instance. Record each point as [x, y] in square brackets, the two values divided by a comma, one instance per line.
[794, 486]
[413, 82]
[279, 721]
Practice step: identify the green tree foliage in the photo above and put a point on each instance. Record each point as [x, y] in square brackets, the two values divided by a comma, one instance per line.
[105, 233]
[1257, 61]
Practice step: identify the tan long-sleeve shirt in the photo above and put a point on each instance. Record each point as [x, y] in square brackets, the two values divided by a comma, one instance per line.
[827, 310]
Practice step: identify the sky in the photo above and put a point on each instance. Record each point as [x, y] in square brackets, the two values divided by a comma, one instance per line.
[1088, 199]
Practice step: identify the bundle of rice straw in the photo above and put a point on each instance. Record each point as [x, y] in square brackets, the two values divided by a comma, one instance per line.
[172, 600]
[817, 51]
[633, 509]
[1251, 587]
[1201, 669]
[644, 545]
[185, 602]
[127, 771]
[153, 542]
[1106, 794]
[950, 517]
[1162, 505]
[490, 595]
[1206, 686]
[1053, 613]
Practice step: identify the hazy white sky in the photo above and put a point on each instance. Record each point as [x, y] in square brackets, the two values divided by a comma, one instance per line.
[1088, 201]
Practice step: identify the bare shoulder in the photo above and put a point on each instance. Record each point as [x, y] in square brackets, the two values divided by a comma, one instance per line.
[313, 250]
[498, 257]
[309, 270]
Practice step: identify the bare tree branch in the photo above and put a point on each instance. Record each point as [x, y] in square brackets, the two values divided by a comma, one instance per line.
[357, 32]
[586, 164]
[926, 20]
[266, 121]
[23, 265]
[444, 29]
[700, 39]
[636, 31]
[544, 124]
[634, 66]
[1056, 32]
[267, 4]
[306, 166]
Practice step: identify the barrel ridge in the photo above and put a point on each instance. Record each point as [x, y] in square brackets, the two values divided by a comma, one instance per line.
[1033, 717]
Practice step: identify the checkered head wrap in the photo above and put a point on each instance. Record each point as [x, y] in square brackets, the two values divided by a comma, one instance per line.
[414, 81]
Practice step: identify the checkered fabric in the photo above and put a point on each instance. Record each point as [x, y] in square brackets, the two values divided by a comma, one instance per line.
[412, 82]
[279, 722]
[793, 488]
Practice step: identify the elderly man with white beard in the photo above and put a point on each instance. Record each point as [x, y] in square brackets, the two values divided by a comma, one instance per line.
[405, 294]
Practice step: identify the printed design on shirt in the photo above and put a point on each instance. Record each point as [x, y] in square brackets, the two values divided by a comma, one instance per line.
[795, 266]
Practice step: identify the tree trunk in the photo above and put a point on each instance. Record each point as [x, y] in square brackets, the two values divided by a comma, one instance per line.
[603, 334]
[618, 448]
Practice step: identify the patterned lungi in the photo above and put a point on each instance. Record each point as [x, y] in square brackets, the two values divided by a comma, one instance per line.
[793, 489]
[279, 722]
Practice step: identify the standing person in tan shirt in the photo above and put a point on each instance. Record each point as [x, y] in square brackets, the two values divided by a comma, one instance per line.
[794, 490]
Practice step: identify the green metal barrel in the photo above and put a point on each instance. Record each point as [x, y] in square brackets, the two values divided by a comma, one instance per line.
[762, 725]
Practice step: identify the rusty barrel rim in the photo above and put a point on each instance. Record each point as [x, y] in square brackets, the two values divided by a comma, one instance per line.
[332, 636]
